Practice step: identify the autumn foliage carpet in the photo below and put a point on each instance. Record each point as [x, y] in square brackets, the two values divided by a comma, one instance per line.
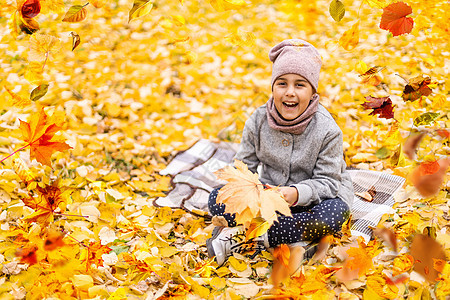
[97, 97]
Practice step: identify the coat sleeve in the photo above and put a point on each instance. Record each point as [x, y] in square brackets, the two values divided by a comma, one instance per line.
[247, 147]
[326, 178]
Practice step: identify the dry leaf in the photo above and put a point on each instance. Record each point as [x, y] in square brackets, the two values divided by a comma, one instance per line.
[427, 178]
[387, 235]
[394, 18]
[76, 13]
[411, 144]
[425, 251]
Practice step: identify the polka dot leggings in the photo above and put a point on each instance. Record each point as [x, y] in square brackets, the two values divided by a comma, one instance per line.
[307, 223]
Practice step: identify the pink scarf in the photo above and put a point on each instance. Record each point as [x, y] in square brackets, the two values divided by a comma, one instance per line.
[296, 126]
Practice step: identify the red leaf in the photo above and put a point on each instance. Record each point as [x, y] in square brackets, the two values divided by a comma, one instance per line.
[381, 106]
[394, 18]
[30, 9]
[27, 254]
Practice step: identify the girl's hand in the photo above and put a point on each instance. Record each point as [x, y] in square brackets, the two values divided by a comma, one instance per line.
[290, 194]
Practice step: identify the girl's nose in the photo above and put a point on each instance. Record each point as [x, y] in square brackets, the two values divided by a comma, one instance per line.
[290, 90]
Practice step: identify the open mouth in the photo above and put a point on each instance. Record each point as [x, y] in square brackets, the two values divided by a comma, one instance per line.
[290, 104]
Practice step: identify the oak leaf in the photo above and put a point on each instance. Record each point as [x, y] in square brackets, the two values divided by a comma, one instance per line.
[245, 196]
[39, 134]
[394, 18]
[381, 106]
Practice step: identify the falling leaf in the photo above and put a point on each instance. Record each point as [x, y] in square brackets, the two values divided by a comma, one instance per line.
[378, 3]
[223, 5]
[241, 38]
[322, 248]
[425, 250]
[370, 76]
[427, 178]
[394, 18]
[416, 88]
[258, 226]
[337, 10]
[350, 38]
[381, 106]
[17, 100]
[445, 133]
[287, 261]
[282, 253]
[27, 254]
[140, 8]
[387, 235]
[43, 47]
[259, 202]
[426, 119]
[75, 40]
[40, 136]
[53, 239]
[98, 3]
[22, 169]
[411, 144]
[39, 92]
[76, 13]
[30, 9]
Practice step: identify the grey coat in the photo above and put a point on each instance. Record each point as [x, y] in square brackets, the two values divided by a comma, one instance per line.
[312, 161]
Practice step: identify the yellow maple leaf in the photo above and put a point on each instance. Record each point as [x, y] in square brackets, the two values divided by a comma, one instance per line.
[245, 195]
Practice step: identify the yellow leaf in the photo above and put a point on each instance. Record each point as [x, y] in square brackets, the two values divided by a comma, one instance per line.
[258, 226]
[350, 38]
[361, 67]
[236, 264]
[76, 13]
[82, 282]
[244, 195]
[222, 5]
[140, 8]
[43, 47]
[241, 38]
[379, 285]
[378, 3]
[17, 100]
[218, 283]
[56, 6]
[168, 251]
[34, 72]
[98, 3]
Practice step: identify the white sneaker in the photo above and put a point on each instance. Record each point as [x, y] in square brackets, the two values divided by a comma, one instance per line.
[228, 240]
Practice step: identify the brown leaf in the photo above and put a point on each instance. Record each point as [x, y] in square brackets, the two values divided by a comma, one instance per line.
[75, 40]
[429, 184]
[30, 9]
[417, 87]
[381, 106]
[219, 221]
[387, 235]
[411, 144]
[425, 251]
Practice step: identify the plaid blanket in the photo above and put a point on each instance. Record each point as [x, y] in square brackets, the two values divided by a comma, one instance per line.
[193, 180]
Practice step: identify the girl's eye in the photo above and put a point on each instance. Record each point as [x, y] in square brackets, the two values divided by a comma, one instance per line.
[281, 83]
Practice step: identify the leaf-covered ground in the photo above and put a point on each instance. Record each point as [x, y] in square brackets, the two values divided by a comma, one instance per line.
[134, 92]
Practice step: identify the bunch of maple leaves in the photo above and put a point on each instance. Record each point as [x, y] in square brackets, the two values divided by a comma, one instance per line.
[49, 251]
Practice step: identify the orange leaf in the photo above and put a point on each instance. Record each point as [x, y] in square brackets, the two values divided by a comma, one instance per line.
[426, 251]
[27, 254]
[53, 239]
[94, 254]
[258, 227]
[40, 136]
[50, 198]
[411, 144]
[394, 18]
[282, 253]
[245, 196]
[371, 76]
[387, 235]
[427, 179]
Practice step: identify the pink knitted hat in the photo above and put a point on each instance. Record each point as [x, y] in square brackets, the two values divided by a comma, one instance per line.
[297, 57]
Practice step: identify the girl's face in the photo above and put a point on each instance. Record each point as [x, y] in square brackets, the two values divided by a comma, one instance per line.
[291, 95]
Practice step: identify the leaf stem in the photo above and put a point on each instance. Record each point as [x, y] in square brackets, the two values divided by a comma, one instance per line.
[15, 152]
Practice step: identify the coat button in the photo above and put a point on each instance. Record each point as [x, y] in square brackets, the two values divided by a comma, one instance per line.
[285, 142]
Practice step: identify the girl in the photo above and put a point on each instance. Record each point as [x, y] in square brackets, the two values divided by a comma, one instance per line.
[298, 146]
